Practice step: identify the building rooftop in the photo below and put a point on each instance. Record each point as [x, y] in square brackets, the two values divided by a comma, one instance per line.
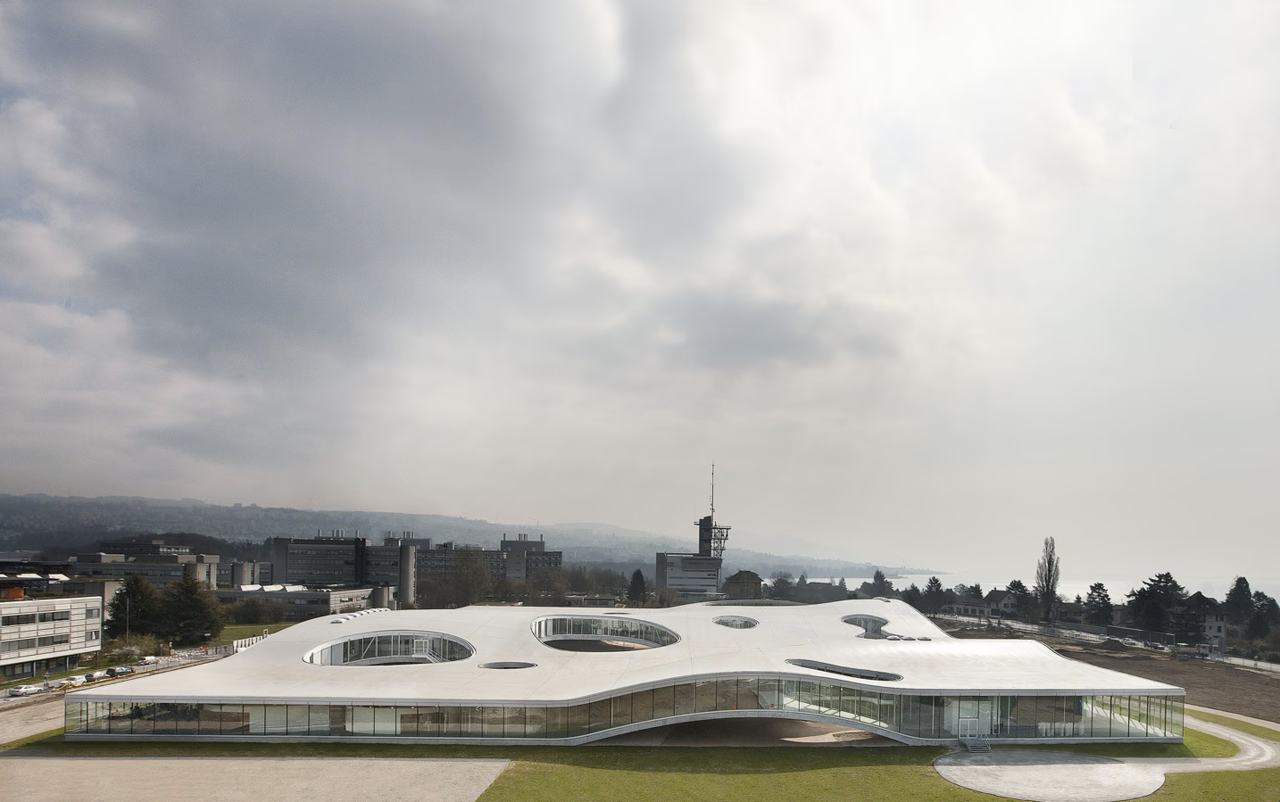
[927, 660]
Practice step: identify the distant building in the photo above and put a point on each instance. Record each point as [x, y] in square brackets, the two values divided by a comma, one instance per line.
[39, 634]
[695, 577]
[298, 603]
[323, 561]
[394, 563]
[1002, 603]
[526, 557]
[144, 548]
[744, 585]
[447, 557]
[159, 570]
[237, 573]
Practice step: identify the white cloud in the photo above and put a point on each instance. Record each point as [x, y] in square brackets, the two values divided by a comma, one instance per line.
[878, 260]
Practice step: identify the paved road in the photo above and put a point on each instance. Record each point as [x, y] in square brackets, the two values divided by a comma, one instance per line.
[1063, 777]
[245, 779]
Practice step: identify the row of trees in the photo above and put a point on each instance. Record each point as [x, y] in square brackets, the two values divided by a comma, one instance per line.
[184, 613]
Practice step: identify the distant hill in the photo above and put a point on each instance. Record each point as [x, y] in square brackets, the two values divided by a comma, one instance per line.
[38, 521]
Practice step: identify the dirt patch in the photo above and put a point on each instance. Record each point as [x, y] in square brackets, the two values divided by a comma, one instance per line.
[1218, 685]
[1209, 684]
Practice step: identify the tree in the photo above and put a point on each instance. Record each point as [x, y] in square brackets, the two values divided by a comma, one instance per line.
[1022, 598]
[933, 595]
[189, 613]
[1098, 609]
[1048, 571]
[257, 611]
[635, 592]
[975, 592]
[782, 587]
[1152, 605]
[134, 609]
[1266, 614]
[880, 587]
[1238, 606]
[913, 596]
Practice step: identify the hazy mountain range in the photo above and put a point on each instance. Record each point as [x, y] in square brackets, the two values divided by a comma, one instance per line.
[24, 519]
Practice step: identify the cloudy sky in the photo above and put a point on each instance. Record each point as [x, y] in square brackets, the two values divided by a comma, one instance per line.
[928, 283]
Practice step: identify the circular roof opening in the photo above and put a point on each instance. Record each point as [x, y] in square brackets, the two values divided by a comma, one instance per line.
[514, 664]
[390, 649]
[735, 621]
[592, 633]
[872, 625]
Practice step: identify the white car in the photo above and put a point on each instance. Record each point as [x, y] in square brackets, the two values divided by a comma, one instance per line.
[26, 690]
[75, 681]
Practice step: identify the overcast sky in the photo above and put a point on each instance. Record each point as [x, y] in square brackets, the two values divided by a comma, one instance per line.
[928, 282]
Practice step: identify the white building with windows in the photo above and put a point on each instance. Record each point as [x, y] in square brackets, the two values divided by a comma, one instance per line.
[561, 676]
[47, 633]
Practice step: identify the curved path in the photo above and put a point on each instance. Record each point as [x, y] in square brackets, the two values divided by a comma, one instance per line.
[1065, 777]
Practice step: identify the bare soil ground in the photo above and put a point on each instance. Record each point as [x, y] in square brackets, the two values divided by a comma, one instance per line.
[1221, 686]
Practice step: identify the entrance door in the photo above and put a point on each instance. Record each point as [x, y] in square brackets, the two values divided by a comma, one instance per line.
[968, 728]
[984, 716]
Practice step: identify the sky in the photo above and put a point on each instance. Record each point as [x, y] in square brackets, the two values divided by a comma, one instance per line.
[927, 282]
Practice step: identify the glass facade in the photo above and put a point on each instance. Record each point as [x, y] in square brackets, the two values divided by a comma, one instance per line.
[915, 716]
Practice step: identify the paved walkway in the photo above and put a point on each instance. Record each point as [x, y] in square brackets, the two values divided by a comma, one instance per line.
[22, 718]
[245, 779]
[1064, 777]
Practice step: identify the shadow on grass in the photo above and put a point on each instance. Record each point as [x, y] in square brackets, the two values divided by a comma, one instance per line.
[698, 760]
[1195, 744]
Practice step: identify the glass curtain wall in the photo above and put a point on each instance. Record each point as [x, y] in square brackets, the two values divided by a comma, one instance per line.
[916, 716]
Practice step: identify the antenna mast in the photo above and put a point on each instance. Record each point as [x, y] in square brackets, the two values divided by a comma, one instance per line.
[713, 493]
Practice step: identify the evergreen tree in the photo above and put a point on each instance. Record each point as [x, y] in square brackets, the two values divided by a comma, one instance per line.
[1238, 606]
[782, 588]
[1098, 609]
[880, 586]
[1152, 605]
[933, 595]
[913, 597]
[1022, 599]
[134, 609]
[635, 592]
[1266, 615]
[189, 613]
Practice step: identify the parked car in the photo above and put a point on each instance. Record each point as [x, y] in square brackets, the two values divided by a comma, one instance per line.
[148, 661]
[74, 681]
[26, 690]
[119, 671]
[99, 675]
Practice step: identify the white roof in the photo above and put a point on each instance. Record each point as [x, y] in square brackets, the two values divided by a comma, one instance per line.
[274, 670]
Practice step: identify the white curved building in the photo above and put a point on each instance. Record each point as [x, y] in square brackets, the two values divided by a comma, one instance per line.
[502, 675]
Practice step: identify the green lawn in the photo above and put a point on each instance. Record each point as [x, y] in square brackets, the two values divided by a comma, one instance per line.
[647, 774]
[1266, 733]
[234, 632]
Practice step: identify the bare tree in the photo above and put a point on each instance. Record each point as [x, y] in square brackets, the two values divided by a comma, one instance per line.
[1047, 571]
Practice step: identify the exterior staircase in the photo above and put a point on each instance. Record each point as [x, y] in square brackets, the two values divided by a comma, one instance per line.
[976, 743]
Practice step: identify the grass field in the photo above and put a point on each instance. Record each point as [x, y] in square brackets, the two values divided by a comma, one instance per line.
[1265, 733]
[234, 632]
[641, 774]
